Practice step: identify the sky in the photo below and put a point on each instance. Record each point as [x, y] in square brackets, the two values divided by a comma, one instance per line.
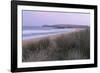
[40, 18]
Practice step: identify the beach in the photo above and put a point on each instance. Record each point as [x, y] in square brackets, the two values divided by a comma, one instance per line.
[49, 36]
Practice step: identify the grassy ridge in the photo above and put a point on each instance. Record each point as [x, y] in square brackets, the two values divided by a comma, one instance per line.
[75, 45]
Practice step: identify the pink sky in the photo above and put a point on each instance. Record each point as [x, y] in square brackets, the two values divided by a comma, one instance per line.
[39, 18]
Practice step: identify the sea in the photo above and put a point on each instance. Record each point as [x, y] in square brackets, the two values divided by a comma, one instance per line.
[36, 31]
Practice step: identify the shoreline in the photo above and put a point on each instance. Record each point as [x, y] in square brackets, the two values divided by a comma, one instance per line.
[50, 36]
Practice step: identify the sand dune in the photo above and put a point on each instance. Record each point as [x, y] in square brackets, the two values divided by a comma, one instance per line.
[63, 46]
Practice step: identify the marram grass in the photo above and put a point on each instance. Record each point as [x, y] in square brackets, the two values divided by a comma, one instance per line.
[72, 46]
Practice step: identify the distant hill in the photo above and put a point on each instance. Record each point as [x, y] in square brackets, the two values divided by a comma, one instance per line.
[66, 26]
